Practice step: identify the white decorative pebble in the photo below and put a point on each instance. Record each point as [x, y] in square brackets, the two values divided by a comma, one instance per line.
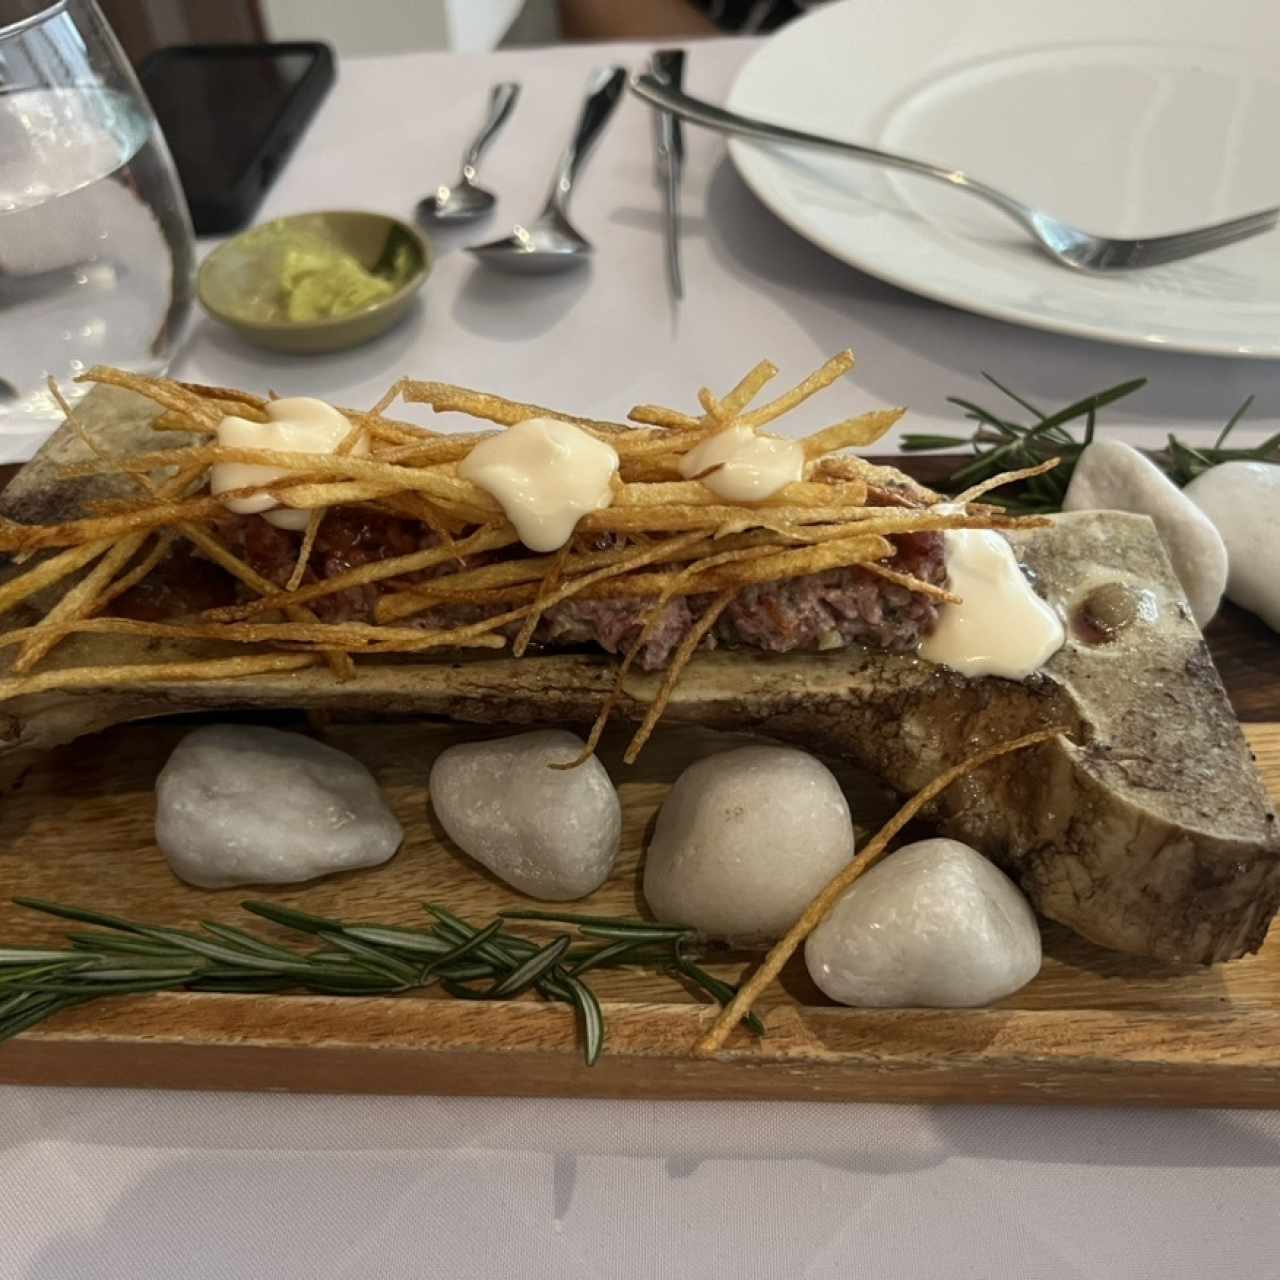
[744, 840]
[935, 925]
[552, 833]
[1243, 501]
[1113, 476]
[237, 804]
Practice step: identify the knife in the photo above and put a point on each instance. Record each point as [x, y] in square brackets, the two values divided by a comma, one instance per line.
[667, 65]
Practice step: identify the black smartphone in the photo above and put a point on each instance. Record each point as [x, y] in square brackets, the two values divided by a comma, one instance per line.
[231, 114]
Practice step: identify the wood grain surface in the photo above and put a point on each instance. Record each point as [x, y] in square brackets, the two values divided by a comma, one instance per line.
[1094, 1027]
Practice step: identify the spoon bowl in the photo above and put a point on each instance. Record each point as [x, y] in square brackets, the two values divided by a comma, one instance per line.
[547, 245]
[465, 201]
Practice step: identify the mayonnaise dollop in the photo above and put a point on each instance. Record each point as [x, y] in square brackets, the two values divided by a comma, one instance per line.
[296, 425]
[1002, 628]
[546, 475]
[748, 467]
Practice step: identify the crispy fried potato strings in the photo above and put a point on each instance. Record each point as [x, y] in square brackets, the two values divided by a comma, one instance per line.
[458, 577]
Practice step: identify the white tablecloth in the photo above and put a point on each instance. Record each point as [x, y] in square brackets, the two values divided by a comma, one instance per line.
[154, 1186]
[233, 1187]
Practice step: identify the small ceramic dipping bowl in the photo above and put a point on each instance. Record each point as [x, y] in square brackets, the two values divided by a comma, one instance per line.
[315, 282]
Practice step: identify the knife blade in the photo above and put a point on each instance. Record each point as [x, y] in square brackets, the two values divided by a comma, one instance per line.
[667, 65]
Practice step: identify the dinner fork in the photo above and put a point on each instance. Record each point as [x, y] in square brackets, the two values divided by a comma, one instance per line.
[1063, 242]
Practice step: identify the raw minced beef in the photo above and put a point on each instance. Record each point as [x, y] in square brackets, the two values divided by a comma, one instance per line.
[816, 611]
[346, 539]
[841, 606]
[615, 625]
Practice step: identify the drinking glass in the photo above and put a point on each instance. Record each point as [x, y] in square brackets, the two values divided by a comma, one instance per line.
[96, 249]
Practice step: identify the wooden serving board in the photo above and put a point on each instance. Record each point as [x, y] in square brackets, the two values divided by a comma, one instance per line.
[1094, 1027]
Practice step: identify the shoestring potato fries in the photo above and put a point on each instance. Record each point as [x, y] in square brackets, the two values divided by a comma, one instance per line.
[663, 535]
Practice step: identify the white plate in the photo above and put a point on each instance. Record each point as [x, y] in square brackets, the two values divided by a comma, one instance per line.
[1126, 117]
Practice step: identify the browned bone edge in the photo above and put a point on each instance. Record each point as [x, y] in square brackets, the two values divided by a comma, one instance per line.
[1149, 833]
[327, 1044]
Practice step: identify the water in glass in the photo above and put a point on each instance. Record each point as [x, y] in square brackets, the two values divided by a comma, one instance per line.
[95, 243]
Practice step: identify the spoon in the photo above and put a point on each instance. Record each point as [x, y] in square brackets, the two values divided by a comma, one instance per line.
[466, 200]
[551, 242]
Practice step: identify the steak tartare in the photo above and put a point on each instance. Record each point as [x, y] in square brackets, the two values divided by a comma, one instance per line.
[815, 611]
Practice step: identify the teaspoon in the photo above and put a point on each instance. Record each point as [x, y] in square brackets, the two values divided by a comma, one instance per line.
[466, 200]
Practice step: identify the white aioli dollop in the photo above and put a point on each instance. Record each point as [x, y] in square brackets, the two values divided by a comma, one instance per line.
[546, 475]
[1002, 628]
[748, 467]
[297, 425]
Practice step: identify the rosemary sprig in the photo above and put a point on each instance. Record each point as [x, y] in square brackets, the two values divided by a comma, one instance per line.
[120, 957]
[1000, 444]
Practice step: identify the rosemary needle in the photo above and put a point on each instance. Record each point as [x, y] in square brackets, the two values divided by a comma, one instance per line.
[524, 976]
[594, 957]
[590, 1016]
[474, 943]
[414, 940]
[238, 937]
[722, 991]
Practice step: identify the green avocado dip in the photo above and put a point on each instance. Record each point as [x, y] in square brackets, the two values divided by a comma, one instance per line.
[290, 274]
